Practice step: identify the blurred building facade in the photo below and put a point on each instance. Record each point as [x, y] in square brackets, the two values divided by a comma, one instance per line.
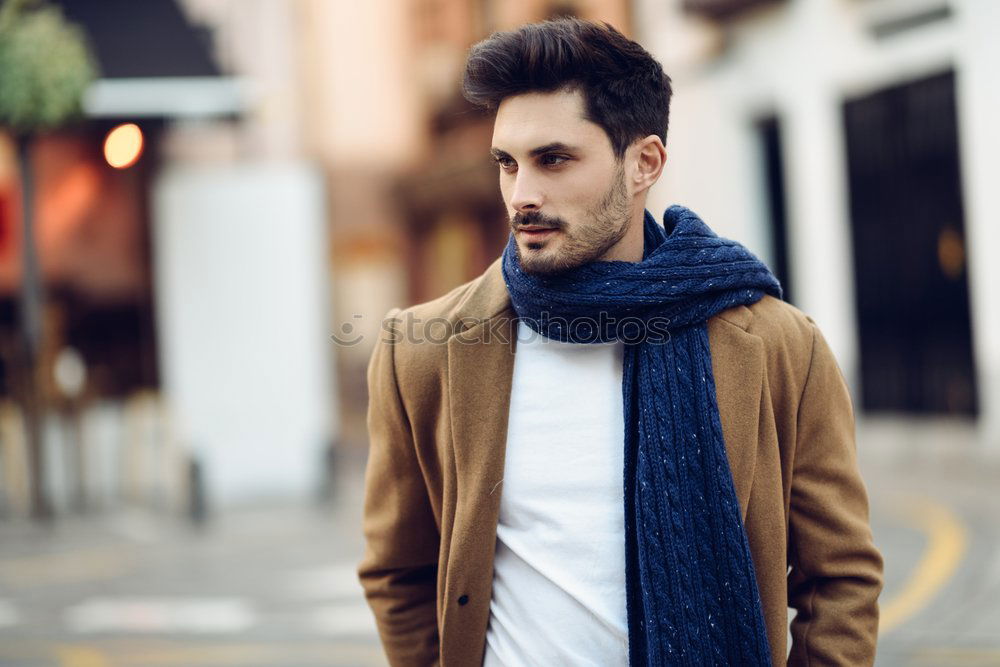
[848, 143]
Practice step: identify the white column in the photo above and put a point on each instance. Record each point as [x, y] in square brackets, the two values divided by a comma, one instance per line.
[819, 220]
[978, 101]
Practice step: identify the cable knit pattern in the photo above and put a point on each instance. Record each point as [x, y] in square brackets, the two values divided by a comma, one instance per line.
[692, 596]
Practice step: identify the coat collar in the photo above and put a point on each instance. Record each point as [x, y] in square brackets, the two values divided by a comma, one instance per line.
[487, 297]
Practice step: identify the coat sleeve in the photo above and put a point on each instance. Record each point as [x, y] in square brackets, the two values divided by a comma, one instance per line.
[836, 571]
[399, 568]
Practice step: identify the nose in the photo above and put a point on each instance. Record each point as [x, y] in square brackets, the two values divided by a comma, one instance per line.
[527, 195]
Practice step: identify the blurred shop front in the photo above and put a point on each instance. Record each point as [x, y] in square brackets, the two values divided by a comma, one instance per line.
[184, 351]
[98, 305]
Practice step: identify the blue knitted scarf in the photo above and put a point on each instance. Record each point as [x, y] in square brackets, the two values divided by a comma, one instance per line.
[691, 593]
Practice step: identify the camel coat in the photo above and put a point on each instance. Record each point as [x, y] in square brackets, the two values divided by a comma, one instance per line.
[439, 383]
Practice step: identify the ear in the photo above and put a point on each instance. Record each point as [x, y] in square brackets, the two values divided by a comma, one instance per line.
[648, 158]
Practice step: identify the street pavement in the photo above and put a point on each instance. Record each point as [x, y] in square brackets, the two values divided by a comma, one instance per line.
[274, 585]
[935, 496]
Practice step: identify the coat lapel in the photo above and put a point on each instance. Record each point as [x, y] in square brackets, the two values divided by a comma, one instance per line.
[480, 371]
[738, 369]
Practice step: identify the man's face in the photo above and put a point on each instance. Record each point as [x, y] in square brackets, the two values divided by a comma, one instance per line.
[563, 187]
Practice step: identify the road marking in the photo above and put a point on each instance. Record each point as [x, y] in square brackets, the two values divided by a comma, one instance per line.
[947, 540]
[343, 619]
[162, 615]
[81, 656]
[327, 583]
[9, 615]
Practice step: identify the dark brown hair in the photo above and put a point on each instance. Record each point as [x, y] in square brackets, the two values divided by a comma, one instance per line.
[624, 88]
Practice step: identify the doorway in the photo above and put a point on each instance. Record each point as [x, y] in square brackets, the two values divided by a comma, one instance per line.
[907, 221]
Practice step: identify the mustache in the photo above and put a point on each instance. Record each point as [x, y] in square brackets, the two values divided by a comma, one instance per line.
[535, 219]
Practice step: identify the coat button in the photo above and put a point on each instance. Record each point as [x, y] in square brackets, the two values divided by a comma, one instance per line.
[462, 600]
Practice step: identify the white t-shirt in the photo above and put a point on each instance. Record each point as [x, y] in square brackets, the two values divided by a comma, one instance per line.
[559, 571]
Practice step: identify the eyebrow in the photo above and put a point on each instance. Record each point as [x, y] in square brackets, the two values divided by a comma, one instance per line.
[541, 150]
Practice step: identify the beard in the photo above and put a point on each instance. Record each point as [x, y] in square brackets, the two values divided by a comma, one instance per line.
[604, 226]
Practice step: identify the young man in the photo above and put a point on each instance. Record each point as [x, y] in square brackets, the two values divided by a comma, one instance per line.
[617, 445]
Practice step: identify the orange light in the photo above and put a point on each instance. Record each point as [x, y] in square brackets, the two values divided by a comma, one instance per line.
[123, 146]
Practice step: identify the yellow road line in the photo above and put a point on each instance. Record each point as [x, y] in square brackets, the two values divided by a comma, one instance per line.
[967, 657]
[947, 540]
[82, 656]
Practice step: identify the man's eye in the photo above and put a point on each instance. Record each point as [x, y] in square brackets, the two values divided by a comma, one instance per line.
[505, 162]
[552, 160]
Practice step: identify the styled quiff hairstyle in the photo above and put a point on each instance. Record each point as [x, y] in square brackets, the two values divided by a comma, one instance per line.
[625, 90]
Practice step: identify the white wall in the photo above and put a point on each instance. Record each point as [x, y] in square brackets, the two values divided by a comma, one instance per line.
[241, 288]
[978, 58]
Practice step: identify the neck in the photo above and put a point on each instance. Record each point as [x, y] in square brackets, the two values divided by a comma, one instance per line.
[630, 247]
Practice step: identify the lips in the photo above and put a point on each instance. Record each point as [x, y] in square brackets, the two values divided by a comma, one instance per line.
[535, 232]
